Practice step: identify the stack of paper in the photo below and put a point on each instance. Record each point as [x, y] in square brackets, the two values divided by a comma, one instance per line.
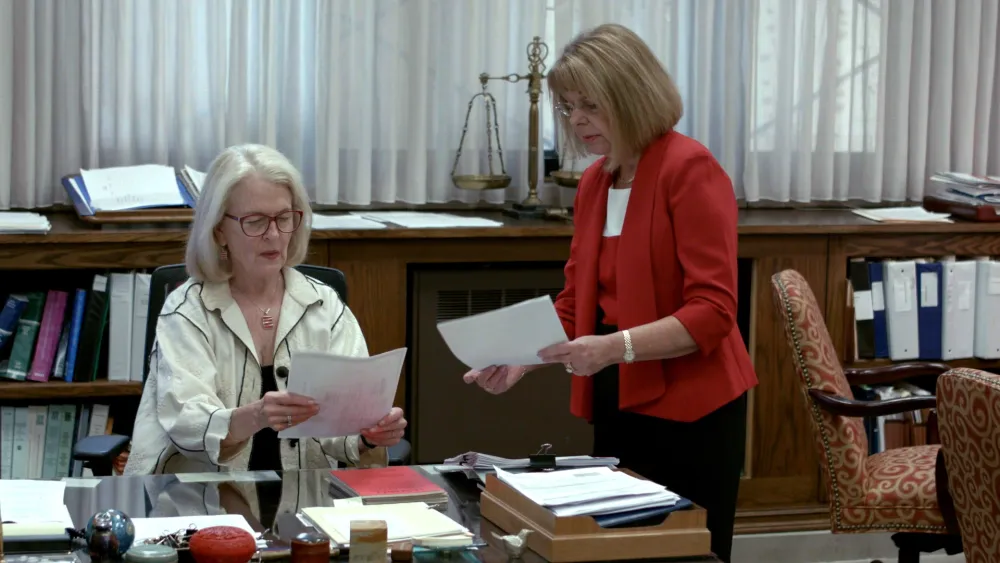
[474, 460]
[31, 507]
[903, 215]
[405, 521]
[591, 491]
[426, 219]
[17, 222]
[343, 222]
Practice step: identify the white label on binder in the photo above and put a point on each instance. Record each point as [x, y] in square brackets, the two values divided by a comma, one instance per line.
[964, 295]
[928, 289]
[863, 306]
[878, 296]
[902, 301]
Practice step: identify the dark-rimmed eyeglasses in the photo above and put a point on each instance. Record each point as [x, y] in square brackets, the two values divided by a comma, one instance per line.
[256, 224]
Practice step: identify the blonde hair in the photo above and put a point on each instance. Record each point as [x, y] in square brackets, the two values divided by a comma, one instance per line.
[614, 68]
[228, 169]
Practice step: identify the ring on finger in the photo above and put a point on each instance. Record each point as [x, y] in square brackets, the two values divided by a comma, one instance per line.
[288, 420]
[569, 367]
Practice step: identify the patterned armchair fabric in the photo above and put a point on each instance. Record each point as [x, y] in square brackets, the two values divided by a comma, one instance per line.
[969, 423]
[891, 491]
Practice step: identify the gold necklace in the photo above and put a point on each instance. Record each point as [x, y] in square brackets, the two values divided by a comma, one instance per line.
[266, 320]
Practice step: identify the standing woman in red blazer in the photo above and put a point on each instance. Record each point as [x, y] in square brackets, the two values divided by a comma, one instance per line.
[649, 305]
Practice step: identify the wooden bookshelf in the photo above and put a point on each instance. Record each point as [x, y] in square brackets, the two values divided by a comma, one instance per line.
[51, 391]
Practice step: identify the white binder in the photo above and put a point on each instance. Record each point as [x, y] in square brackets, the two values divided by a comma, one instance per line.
[958, 311]
[987, 338]
[902, 323]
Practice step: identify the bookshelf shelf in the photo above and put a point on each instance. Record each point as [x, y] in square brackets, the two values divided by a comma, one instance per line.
[975, 363]
[55, 390]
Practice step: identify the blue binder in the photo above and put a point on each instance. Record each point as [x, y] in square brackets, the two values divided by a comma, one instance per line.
[929, 311]
[878, 308]
[80, 197]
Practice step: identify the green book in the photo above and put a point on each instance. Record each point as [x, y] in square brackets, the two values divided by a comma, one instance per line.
[24, 339]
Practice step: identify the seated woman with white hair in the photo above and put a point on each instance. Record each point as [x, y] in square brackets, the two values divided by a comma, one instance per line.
[212, 401]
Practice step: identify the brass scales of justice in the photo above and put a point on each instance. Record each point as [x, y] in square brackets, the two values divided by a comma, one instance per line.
[531, 206]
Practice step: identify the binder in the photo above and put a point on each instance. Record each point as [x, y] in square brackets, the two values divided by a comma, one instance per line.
[929, 312]
[80, 198]
[863, 314]
[958, 311]
[900, 278]
[986, 343]
[878, 310]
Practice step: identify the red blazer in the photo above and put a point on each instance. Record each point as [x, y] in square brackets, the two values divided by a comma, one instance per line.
[676, 256]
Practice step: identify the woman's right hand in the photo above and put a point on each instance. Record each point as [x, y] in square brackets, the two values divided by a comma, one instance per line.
[280, 409]
[496, 379]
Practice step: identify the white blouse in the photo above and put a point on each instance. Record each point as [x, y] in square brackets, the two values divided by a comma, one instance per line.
[617, 203]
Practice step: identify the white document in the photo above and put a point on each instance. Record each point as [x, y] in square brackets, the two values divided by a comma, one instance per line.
[901, 317]
[132, 187]
[404, 521]
[32, 502]
[511, 335]
[426, 219]
[353, 393]
[344, 222]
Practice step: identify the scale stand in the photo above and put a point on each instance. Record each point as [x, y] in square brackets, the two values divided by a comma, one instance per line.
[531, 207]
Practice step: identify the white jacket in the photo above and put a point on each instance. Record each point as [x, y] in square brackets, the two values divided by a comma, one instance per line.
[203, 365]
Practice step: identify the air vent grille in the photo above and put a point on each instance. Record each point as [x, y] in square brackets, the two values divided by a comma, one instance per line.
[458, 303]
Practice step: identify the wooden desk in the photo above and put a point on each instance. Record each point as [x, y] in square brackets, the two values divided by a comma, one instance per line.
[781, 491]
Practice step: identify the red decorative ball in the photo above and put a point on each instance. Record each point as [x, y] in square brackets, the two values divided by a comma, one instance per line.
[222, 544]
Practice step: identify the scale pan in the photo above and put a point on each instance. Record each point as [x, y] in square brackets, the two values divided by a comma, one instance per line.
[481, 181]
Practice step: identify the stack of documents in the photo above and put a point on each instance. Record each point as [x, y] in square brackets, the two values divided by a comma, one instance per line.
[404, 521]
[474, 460]
[903, 215]
[426, 219]
[33, 507]
[23, 222]
[588, 492]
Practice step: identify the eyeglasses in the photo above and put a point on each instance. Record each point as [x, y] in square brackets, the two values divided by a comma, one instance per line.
[566, 110]
[256, 224]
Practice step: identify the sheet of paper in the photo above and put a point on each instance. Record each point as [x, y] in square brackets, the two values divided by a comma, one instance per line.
[148, 528]
[224, 477]
[344, 222]
[404, 521]
[81, 482]
[426, 219]
[511, 335]
[26, 501]
[353, 393]
[132, 187]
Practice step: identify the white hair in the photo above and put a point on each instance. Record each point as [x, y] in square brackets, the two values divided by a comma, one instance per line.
[228, 169]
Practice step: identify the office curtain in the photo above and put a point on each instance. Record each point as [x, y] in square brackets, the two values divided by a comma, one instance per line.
[800, 100]
[864, 99]
[366, 97]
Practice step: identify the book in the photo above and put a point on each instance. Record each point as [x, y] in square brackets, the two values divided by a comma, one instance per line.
[384, 485]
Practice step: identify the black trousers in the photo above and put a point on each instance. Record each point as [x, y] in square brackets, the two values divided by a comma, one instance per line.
[701, 460]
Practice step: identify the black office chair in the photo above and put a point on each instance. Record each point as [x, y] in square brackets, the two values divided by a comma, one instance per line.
[99, 452]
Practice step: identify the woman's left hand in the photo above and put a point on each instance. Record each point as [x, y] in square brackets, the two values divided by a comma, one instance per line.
[388, 431]
[586, 355]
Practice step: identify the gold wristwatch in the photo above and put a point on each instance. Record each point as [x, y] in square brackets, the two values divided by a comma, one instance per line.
[629, 355]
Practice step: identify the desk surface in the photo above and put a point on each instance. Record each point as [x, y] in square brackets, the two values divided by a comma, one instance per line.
[67, 229]
[268, 501]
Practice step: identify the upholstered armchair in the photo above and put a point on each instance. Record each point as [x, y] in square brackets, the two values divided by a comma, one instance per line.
[894, 491]
[969, 418]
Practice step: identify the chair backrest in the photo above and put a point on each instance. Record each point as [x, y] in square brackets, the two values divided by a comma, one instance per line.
[166, 278]
[841, 441]
[968, 406]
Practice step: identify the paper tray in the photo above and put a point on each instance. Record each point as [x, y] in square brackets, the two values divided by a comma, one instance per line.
[580, 538]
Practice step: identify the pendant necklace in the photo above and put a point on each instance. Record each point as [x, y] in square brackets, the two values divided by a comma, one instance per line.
[266, 320]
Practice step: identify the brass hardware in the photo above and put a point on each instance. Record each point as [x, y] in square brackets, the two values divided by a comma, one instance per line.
[489, 181]
[536, 51]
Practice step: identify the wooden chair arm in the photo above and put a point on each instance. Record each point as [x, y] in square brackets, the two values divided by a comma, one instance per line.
[842, 406]
[893, 372]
